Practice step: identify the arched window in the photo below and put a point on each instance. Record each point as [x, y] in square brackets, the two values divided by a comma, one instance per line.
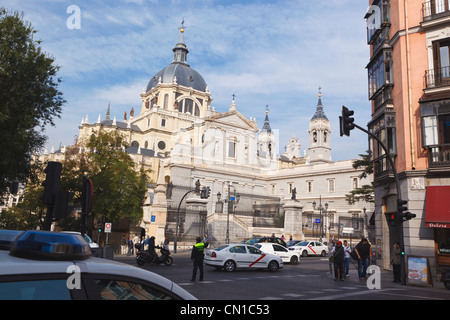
[188, 105]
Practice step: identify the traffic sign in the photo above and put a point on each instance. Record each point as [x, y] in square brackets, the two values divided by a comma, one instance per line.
[317, 220]
[108, 226]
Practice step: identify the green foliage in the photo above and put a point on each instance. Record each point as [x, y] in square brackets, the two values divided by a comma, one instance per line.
[365, 192]
[29, 96]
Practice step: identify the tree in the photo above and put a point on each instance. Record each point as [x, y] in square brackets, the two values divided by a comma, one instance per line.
[119, 186]
[365, 192]
[29, 97]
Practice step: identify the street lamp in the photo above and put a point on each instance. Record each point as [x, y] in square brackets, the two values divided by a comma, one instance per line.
[320, 208]
[231, 202]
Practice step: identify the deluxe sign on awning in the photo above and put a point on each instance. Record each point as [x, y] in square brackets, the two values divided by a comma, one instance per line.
[437, 210]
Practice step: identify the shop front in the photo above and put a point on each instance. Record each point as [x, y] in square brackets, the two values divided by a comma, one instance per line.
[437, 216]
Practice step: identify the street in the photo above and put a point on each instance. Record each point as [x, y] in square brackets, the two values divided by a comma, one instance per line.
[308, 280]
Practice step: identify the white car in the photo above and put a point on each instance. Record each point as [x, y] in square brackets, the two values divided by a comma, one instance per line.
[243, 256]
[44, 265]
[310, 248]
[91, 243]
[288, 256]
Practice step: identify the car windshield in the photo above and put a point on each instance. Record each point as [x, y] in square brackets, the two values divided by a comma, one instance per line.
[220, 248]
[303, 243]
[257, 246]
[292, 243]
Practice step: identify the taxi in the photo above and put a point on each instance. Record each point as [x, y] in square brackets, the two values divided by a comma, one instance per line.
[286, 255]
[310, 248]
[241, 256]
[44, 265]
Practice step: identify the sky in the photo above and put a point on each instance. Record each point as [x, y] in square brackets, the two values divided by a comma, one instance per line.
[272, 52]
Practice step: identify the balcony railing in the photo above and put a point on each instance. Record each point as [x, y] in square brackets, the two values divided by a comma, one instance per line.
[439, 156]
[381, 166]
[437, 77]
[434, 9]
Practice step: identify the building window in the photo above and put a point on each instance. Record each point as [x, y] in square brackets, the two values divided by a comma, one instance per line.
[309, 186]
[163, 122]
[189, 106]
[331, 185]
[166, 101]
[380, 71]
[355, 183]
[231, 149]
[440, 74]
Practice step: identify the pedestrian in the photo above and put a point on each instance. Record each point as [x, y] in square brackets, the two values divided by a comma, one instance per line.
[135, 241]
[363, 251]
[130, 246]
[395, 261]
[347, 251]
[197, 256]
[338, 261]
[123, 245]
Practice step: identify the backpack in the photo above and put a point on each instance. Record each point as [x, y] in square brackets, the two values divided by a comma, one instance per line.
[354, 255]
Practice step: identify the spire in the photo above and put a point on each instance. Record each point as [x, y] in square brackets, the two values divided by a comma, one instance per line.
[266, 121]
[180, 51]
[108, 112]
[320, 114]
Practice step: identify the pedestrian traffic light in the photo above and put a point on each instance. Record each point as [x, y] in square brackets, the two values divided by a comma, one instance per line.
[402, 213]
[51, 182]
[346, 121]
[208, 192]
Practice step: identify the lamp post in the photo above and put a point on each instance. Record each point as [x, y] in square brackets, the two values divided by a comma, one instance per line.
[231, 202]
[320, 208]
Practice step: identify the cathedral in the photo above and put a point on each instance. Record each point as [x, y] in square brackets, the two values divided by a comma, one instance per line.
[179, 135]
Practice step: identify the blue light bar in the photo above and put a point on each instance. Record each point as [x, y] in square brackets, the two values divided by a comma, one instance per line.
[46, 245]
[7, 237]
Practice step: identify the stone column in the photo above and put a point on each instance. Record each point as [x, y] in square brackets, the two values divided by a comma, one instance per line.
[293, 220]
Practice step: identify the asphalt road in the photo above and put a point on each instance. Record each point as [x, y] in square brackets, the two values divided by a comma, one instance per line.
[308, 280]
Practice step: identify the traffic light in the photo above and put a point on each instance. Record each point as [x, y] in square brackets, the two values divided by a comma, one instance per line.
[62, 208]
[99, 227]
[346, 121]
[205, 193]
[51, 182]
[402, 213]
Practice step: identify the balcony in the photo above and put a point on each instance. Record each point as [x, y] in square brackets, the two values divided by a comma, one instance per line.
[439, 156]
[437, 79]
[435, 10]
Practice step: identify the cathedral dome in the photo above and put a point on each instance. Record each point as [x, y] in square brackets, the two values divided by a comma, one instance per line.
[179, 70]
[185, 76]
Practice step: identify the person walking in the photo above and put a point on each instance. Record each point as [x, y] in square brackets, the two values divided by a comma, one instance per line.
[123, 245]
[197, 256]
[363, 250]
[338, 260]
[347, 251]
[396, 262]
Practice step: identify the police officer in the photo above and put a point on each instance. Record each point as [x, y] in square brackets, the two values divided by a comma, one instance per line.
[197, 255]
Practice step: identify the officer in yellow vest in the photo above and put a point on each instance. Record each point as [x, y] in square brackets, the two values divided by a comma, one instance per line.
[197, 255]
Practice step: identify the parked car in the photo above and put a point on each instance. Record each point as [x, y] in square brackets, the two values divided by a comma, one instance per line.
[291, 243]
[288, 256]
[307, 248]
[241, 256]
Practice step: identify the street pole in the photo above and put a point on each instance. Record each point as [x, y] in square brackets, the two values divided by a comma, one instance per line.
[399, 196]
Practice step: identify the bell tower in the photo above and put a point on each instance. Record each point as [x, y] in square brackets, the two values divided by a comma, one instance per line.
[319, 135]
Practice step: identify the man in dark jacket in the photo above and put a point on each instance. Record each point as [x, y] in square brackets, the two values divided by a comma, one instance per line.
[364, 251]
[151, 248]
[197, 255]
[339, 255]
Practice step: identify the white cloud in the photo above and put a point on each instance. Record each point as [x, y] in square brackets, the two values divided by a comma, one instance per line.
[272, 52]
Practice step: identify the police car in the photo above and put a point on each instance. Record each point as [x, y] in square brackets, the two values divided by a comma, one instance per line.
[243, 256]
[44, 265]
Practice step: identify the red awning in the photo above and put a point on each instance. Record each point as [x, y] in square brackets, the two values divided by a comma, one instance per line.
[437, 210]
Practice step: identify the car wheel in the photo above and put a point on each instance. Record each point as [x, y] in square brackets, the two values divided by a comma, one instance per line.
[229, 266]
[305, 253]
[273, 266]
[294, 260]
[323, 254]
